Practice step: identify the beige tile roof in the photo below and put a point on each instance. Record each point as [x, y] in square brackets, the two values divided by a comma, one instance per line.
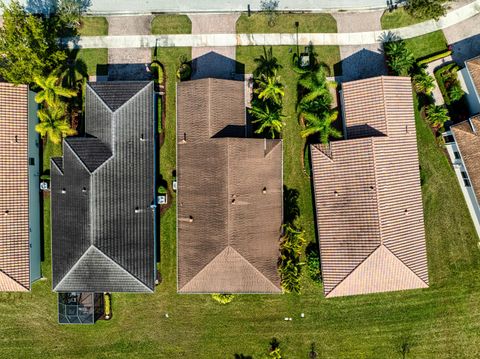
[368, 196]
[229, 194]
[14, 227]
[473, 66]
[467, 137]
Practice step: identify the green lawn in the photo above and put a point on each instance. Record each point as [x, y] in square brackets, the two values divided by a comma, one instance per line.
[428, 44]
[440, 322]
[171, 24]
[96, 61]
[50, 150]
[93, 26]
[285, 23]
[397, 18]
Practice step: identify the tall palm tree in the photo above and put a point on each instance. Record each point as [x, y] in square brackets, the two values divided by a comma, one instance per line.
[53, 124]
[423, 82]
[270, 88]
[51, 90]
[437, 115]
[269, 119]
[322, 125]
[399, 58]
[267, 64]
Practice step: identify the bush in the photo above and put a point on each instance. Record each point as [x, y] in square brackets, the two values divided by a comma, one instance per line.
[107, 300]
[184, 69]
[425, 9]
[290, 266]
[447, 79]
[400, 59]
[313, 263]
[223, 298]
[45, 177]
[162, 189]
[158, 72]
[429, 59]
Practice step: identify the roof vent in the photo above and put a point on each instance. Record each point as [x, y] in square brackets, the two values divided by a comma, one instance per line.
[190, 219]
[137, 210]
[16, 139]
[406, 211]
[184, 138]
[264, 191]
[64, 191]
[142, 138]
[371, 187]
[7, 212]
[335, 193]
[233, 201]
[84, 189]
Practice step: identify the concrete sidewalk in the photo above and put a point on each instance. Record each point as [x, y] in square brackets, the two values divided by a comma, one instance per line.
[129, 7]
[213, 40]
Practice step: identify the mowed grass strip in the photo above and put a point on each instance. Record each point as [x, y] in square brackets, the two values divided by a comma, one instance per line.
[93, 26]
[439, 322]
[285, 23]
[171, 24]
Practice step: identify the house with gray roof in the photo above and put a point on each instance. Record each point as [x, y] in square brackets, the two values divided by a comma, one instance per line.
[103, 191]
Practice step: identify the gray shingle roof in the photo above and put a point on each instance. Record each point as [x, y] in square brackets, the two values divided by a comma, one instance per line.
[102, 222]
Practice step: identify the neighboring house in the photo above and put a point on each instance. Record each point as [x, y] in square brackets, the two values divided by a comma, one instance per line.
[103, 191]
[20, 193]
[462, 142]
[471, 76]
[367, 193]
[229, 199]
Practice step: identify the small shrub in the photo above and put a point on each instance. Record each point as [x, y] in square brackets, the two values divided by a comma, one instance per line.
[107, 300]
[45, 177]
[162, 189]
[455, 92]
[222, 298]
[270, 8]
[290, 266]
[184, 69]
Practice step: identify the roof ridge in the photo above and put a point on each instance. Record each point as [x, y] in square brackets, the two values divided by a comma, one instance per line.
[10, 278]
[384, 97]
[228, 247]
[410, 269]
[134, 96]
[320, 148]
[251, 265]
[93, 248]
[353, 270]
[377, 193]
[65, 140]
[99, 97]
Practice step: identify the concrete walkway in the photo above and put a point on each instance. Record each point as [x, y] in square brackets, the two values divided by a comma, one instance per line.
[343, 39]
[129, 7]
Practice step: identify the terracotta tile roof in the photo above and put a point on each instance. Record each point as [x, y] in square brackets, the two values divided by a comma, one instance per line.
[473, 66]
[229, 194]
[467, 137]
[14, 226]
[368, 196]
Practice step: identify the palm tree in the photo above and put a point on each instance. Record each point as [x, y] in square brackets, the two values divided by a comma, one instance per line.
[53, 124]
[317, 87]
[455, 93]
[270, 88]
[399, 58]
[423, 82]
[267, 64]
[322, 125]
[437, 116]
[51, 90]
[268, 119]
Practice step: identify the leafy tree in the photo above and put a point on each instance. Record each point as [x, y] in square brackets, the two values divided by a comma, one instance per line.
[437, 116]
[423, 82]
[426, 9]
[51, 91]
[29, 43]
[400, 59]
[455, 92]
[270, 119]
[267, 64]
[53, 124]
[322, 125]
[270, 8]
[270, 88]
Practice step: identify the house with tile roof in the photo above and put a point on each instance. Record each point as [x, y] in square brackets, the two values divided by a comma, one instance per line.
[20, 231]
[462, 143]
[471, 77]
[103, 195]
[367, 193]
[230, 194]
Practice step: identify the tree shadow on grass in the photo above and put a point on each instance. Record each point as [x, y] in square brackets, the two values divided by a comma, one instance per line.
[291, 209]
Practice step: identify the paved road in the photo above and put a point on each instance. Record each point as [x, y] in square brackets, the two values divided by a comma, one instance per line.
[116, 7]
[350, 38]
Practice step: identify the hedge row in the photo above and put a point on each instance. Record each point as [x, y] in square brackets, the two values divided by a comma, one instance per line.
[429, 59]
